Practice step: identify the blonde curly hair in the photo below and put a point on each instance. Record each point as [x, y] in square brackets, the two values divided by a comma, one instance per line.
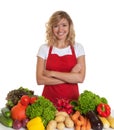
[54, 19]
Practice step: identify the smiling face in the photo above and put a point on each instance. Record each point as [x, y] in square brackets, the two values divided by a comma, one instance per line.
[61, 30]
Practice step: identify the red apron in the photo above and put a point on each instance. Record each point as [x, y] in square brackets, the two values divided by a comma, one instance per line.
[63, 64]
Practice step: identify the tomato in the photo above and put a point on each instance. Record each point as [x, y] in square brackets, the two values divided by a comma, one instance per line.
[25, 100]
[33, 99]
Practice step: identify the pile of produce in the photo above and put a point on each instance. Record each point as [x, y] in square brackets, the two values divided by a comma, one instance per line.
[42, 108]
[24, 109]
[94, 108]
[62, 120]
[14, 96]
[88, 101]
[33, 112]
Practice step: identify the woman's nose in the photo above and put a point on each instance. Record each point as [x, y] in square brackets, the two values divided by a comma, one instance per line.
[60, 28]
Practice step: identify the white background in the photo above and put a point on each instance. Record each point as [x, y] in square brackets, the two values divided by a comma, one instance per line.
[22, 31]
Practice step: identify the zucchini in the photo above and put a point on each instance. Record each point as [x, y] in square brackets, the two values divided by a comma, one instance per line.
[6, 112]
[6, 121]
[96, 123]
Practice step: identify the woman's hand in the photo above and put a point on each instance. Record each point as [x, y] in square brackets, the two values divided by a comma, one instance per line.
[48, 73]
[76, 68]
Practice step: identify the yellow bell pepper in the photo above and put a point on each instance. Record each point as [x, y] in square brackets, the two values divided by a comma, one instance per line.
[35, 124]
[36, 127]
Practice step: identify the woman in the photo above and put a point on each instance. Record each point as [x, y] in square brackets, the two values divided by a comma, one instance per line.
[61, 61]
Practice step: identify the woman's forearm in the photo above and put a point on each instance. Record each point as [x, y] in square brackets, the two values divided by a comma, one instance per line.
[76, 75]
[43, 80]
[71, 77]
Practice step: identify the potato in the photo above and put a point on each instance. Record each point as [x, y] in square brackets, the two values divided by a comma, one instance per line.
[59, 118]
[53, 123]
[69, 123]
[61, 113]
[60, 126]
[49, 127]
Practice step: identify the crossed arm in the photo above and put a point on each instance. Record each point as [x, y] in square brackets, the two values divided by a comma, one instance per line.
[47, 77]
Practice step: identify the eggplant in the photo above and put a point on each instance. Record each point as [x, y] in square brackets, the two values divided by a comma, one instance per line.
[96, 123]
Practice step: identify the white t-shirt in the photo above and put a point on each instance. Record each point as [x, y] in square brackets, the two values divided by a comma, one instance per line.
[44, 49]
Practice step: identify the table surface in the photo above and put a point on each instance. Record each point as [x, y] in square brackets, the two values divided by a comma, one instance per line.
[7, 128]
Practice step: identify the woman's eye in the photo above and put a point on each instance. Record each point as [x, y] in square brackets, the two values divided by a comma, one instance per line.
[64, 25]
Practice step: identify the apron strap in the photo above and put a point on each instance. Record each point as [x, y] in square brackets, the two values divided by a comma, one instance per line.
[73, 51]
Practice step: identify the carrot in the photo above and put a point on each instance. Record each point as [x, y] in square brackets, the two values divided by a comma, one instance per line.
[77, 127]
[78, 122]
[82, 119]
[83, 127]
[88, 124]
[75, 115]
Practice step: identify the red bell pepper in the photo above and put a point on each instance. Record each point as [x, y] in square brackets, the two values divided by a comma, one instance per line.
[103, 110]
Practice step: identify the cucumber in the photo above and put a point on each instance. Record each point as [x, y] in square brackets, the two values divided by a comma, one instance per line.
[6, 112]
[6, 121]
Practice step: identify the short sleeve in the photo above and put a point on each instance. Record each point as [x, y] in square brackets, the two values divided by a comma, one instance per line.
[79, 49]
[43, 51]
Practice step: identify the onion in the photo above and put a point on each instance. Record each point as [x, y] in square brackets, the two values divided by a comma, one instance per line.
[17, 124]
[24, 122]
